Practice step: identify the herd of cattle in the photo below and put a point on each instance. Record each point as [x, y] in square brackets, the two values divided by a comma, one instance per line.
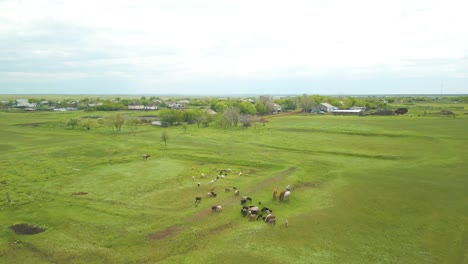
[248, 210]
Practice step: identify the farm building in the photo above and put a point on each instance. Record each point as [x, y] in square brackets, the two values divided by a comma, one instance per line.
[325, 107]
[176, 106]
[151, 106]
[363, 108]
[135, 106]
[348, 112]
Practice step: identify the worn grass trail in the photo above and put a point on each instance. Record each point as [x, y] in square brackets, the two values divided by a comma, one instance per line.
[364, 190]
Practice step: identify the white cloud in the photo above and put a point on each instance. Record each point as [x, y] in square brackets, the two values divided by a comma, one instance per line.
[259, 40]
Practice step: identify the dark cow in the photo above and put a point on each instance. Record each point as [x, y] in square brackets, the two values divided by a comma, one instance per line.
[146, 156]
[260, 216]
[244, 211]
[216, 208]
[197, 199]
[266, 210]
[245, 199]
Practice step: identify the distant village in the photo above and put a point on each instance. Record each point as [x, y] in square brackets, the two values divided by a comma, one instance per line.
[249, 105]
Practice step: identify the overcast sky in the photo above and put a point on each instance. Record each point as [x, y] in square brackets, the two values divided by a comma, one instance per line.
[233, 47]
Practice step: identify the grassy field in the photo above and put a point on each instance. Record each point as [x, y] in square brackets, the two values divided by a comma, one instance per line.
[364, 190]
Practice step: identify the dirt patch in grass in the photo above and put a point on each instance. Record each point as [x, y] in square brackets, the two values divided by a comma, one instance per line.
[220, 228]
[79, 193]
[26, 229]
[304, 185]
[275, 178]
[36, 124]
[170, 231]
[202, 214]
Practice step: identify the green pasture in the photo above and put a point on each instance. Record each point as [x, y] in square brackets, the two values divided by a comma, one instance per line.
[364, 190]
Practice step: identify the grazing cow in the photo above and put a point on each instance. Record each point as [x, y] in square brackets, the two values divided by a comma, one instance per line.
[211, 194]
[193, 178]
[240, 173]
[245, 199]
[212, 189]
[286, 223]
[234, 187]
[244, 211]
[288, 188]
[202, 175]
[259, 216]
[272, 221]
[281, 196]
[252, 217]
[286, 195]
[266, 210]
[227, 190]
[269, 217]
[198, 184]
[274, 193]
[236, 193]
[216, 208]
[146, 156]
[197, 199]
[253, 210]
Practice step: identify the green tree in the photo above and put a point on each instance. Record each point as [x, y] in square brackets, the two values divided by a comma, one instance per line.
[73, 122]
[87, 123]
[261, 109]
[115, 121]
[288, 104]
[220, 106]
[171, 116]
[247, 108]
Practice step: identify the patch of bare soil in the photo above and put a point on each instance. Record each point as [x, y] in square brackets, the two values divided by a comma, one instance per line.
[304, 185]
[220, 228]
[275, 178]
[31, 124]
[202, 214]
[446, 112]
[79, 193]
[26, 229]
[170, 231]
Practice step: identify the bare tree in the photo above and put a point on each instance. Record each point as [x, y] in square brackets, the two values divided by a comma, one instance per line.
[306, 103]
[133, 122]
[165, 137]
[231, 117]
[246, 120]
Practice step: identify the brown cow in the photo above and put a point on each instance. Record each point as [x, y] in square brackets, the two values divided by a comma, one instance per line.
[274, 193]
[281, 196]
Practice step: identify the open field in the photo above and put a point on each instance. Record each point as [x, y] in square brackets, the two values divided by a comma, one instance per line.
[364, 190]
